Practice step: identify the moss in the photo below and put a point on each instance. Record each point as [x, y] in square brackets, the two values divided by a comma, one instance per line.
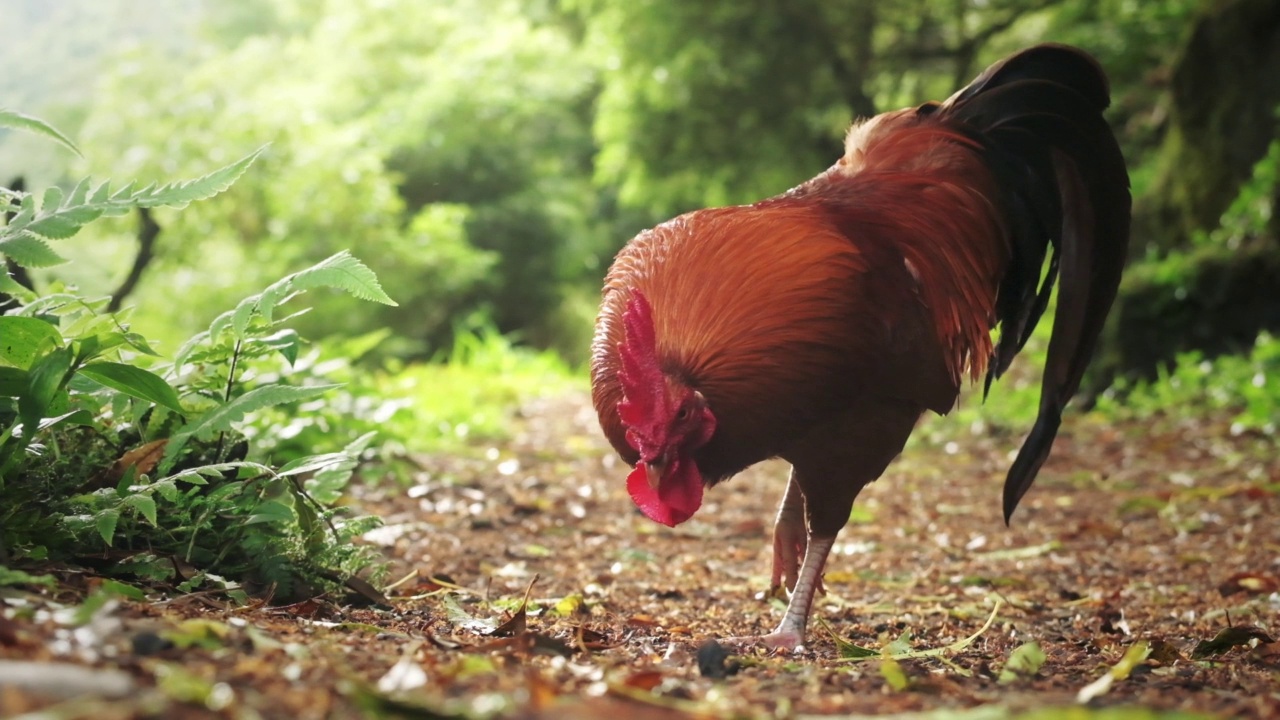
[1215, 300]
[1225, 91]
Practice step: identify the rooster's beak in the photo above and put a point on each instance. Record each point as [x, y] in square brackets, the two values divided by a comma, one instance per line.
[654, 471]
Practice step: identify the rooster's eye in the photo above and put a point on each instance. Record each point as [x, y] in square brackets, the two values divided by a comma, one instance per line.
[683, 413]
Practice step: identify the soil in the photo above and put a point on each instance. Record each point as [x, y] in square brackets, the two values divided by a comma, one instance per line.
[1140, 542]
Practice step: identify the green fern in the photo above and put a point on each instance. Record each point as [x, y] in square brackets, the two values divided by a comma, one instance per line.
[71, 381]
[21, 121]
[29, 251]
[59, 216]
[341, 271]
[220, 418]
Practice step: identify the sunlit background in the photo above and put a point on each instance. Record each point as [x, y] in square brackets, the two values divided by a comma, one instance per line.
[487, 157]
[342, 501]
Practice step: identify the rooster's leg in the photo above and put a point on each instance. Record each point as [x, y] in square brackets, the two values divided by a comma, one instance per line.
[790, 632]
[789, 537]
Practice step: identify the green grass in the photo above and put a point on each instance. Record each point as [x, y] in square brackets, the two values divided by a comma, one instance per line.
[473, 395]
[464, 400]
[1247, 387]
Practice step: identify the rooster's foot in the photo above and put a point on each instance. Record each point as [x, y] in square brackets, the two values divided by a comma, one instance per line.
[788, 640]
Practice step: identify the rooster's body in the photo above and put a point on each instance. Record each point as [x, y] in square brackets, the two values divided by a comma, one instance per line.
[819, 325]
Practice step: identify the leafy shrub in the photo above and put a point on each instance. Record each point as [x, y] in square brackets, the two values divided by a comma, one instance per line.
[109, 454]
[460, 403]
[1246, 385]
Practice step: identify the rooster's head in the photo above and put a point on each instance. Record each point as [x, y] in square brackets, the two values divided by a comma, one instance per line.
[666, 420]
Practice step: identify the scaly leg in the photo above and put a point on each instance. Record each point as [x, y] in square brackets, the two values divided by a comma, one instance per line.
[790, 632]
[789, 536]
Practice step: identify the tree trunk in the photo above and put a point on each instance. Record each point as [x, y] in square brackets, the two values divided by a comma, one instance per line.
[1225, 97]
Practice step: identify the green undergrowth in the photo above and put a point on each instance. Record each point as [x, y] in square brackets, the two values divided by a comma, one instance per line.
[466, 399]
[1245, 387]
[471, 395]
[166, 469]
[1242, 388]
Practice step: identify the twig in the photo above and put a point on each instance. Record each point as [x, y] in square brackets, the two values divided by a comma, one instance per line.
[148, 231]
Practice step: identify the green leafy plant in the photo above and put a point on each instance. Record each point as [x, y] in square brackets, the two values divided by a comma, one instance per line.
[1245, 385]
[109, 453]
[58, 216]
[464, 402]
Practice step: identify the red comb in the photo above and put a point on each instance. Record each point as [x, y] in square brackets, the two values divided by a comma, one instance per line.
[643, 385]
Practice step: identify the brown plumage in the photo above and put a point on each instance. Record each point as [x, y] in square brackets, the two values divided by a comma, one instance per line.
[817, 326]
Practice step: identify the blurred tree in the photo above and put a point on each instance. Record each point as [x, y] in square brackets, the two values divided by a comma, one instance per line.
[1207, 219]
[486, 156]
[713, 103]
[51, 58]
[1224, 112]
[447, 144]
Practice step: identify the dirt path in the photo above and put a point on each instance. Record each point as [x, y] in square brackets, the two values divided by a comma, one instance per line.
[1160, 533]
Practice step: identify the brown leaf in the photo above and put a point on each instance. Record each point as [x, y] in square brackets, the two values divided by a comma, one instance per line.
[546, 645]
[8, 631]
[644, 680]
[143, 459]
[592, 641]
[517, 624]
[446, 643]
[1227, 639]
[1248, 582]
[184, 569]
[368, 591]
[1163, 652]
[310, 609]
[527, 642]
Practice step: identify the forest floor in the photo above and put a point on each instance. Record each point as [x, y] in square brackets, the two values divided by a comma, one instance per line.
[1139, 544]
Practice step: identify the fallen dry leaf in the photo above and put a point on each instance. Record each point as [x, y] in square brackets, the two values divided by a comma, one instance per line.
[1248, 582]
[142, 459]
[1229, 638]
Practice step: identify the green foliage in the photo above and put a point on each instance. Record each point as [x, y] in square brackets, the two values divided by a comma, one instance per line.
[59, 216]
[714, 103]
[1246, 385]
[461, 403]
[22, 121]
[1252, 213]
[1024, 662]
[487, 156]
[448, 141]
[119, 449]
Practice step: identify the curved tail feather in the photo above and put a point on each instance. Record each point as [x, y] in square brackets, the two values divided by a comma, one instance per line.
[1039, 117]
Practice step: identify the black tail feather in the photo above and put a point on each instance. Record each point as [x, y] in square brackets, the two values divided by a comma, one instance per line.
[1039, 115]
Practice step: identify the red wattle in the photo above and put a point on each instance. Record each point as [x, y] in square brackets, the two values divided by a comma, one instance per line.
[678, 497]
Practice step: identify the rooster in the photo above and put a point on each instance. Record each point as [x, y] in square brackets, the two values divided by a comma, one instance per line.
[819, 325]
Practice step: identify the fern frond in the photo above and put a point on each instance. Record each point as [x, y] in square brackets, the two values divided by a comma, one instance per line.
[30, 251]
[59, 217]
[221, 418]
[20, 121]
[180, 194]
